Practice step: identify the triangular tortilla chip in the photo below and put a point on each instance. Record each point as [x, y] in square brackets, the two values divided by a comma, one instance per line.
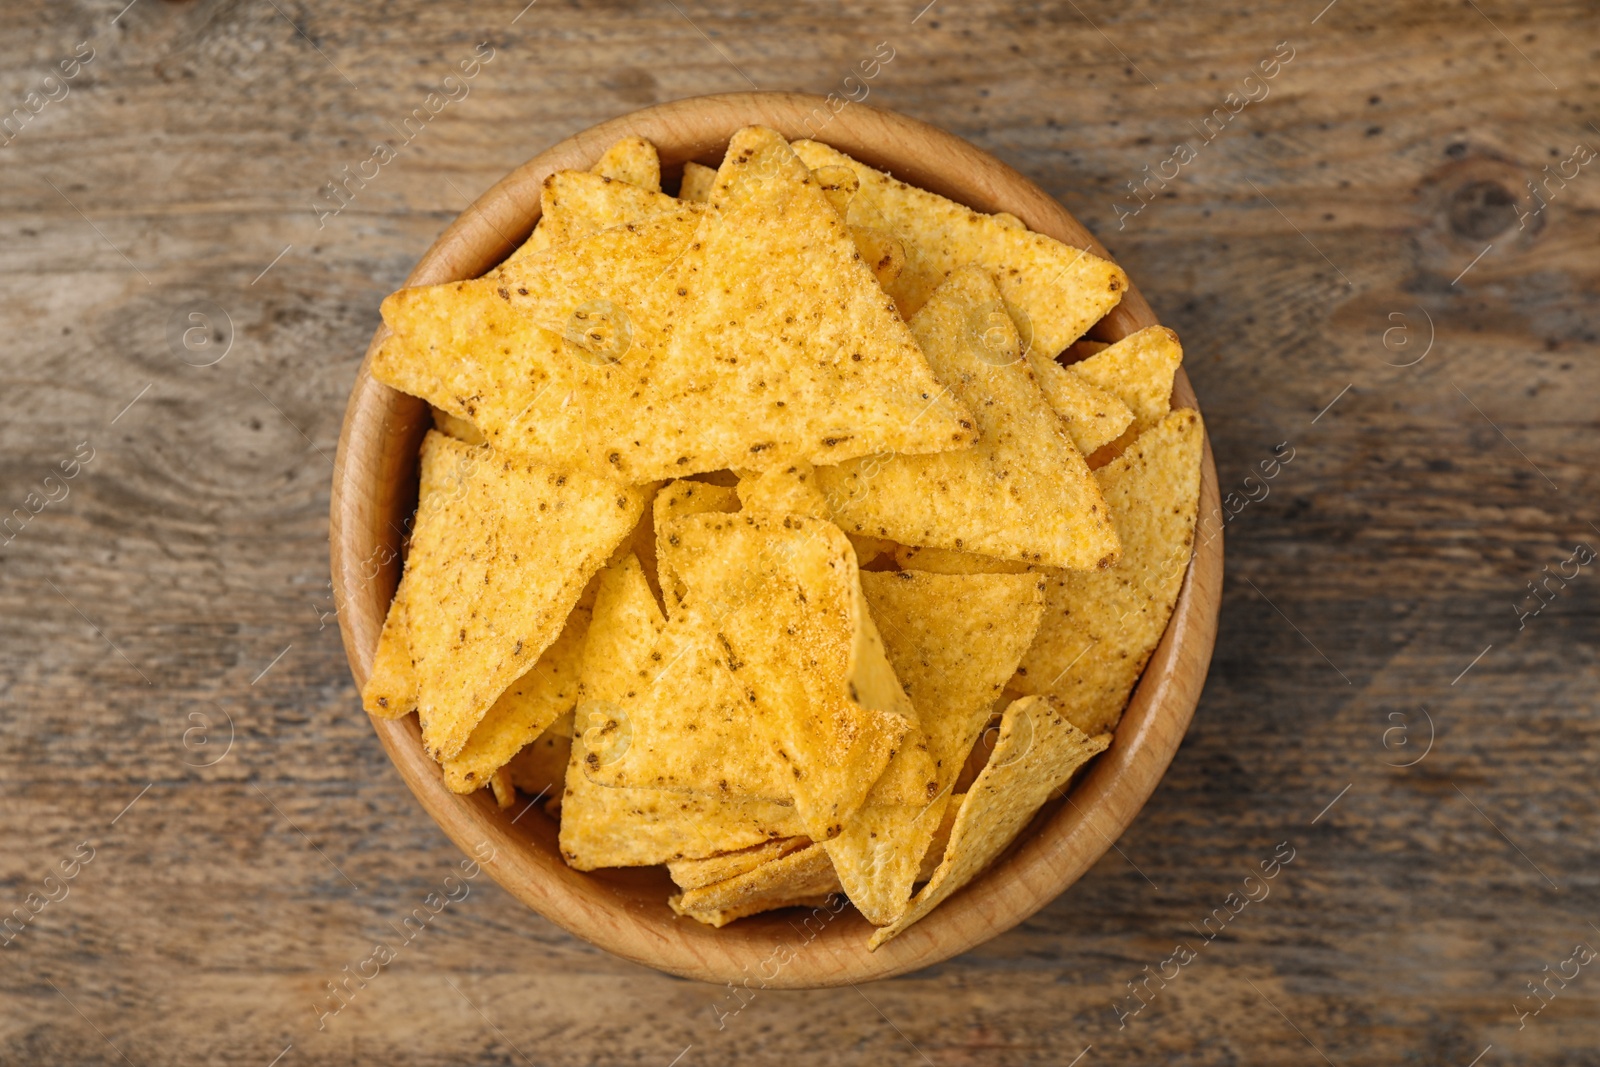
[524, 711]
[575, 203]
[697, 181]
[881, 252]
[1139, 370]
[953, 640]
[779, 285]
[697, 874]
[1100, 627]
[804, 873]
[547, 355]
[746, 888]
[772, 682]
[603, 827]
[1037, 752]
[877, 854]
[665, 348]
[502, 549]
[1053, 291]
[1094, 417]
[1022, 492]
[687, 728]
[632, 160]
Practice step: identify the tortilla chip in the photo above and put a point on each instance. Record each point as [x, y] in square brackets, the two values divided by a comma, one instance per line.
[633, 160]
[882, 253]
[770, 890]
[1094, 417]
[540, 769]
[782, 286]
[772, 681]
[1037, 752]
[803, 873]
[953, 640]
[663, 348]
[697, 181]
[687, 728]
[576, 203]
[877, 854]
[505, 794]
[602, 827]
[948, 561]
[1100, 628]
[457, 427]
[677, 499]
[391, 689]
[696, 874]
[780, 491]
[552, 367]
[1053, 291]
[524, 711]
[1138, 369]
[502, 549]
[1023, 492]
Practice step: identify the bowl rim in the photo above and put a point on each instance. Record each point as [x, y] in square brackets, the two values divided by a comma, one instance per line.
[374, 484]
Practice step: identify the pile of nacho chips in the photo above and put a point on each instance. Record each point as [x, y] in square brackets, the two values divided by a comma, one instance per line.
[782, 532]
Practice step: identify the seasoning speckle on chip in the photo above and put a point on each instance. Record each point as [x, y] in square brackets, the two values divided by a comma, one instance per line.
[750, 508]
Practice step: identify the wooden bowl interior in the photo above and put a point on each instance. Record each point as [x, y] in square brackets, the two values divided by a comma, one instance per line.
[625, 911]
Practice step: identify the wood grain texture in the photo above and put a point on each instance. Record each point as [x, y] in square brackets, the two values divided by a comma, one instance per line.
[1389, 153]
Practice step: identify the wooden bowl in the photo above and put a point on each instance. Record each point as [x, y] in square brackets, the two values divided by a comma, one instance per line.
[625, 912]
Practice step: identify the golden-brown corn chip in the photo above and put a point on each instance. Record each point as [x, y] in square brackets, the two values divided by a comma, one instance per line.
[1100, 627]
[1037, 752]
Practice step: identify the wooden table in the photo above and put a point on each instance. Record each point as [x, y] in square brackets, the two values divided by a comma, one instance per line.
[1358, 270]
